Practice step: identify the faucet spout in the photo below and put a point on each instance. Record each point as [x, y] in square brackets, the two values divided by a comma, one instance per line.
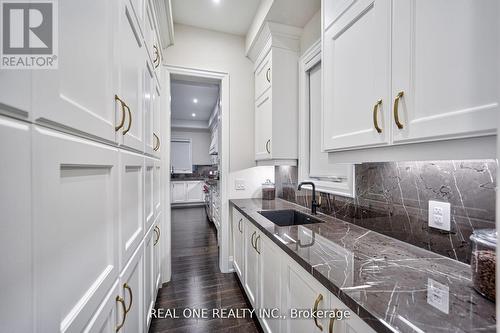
[314, 203]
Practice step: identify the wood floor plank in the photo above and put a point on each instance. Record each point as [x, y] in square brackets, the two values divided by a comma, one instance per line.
[197, 281]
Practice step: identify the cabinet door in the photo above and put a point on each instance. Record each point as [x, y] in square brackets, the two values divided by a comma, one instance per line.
[238, 244]
[156, 258]
[251, 262]
[105, 319]
[16, 274]
[263, 127]
[131, 63]
[149, 211]
[194, 191]
[263, 76]
[80, 94]
[356, 75]
[302, 291]
[15, 93]
[157, 187]
[269, 285]
[178, 192]
[75, 228]
[353, 324]
[149, 281]
[131, 289]
[443, 56]
[131, 203]
[156, 133]
[148, 108]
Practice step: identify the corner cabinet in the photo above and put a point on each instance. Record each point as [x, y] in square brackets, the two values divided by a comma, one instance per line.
[275, 54]
[397, 72]
[273, 280]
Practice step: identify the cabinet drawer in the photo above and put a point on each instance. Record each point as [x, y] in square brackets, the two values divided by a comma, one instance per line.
[263, 76]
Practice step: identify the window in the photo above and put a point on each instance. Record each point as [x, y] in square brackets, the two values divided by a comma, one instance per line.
[181, 156]
[314, 164]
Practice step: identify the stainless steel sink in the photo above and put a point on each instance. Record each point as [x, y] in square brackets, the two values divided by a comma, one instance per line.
[288, 217]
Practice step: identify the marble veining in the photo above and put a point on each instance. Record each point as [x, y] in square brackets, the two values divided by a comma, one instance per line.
[392, 198]
[383, 280]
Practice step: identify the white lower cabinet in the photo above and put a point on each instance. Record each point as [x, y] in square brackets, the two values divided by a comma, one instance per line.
[149, 209]
[238, 236]
[105, 318]
[194, 191]
[16, 276]
[186, 191]
[251, 275]
[273, 280]
[131, 291]
[131, 203]
[75, 225]
[157, 187]
[151, 272]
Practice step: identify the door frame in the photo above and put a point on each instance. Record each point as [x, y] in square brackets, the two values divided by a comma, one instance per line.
[223, 231]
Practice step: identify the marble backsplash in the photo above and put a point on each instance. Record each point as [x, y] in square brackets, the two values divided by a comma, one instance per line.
[392, 199]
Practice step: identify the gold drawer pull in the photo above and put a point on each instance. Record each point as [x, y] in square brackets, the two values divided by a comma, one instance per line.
[157, 232]
[126, 286]
[130, 120]
[332, 321]
[268, 75]
[375, 115]
[315, 309]
[396, 111]
[239, 226]
[122, 301]
[253, 235]
[267, 146]
[122, 103]
[157, 146]
[256, 249]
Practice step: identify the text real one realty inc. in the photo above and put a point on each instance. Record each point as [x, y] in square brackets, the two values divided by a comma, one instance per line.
[275, 313]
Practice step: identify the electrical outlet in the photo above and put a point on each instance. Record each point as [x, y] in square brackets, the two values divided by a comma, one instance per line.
[438, 295]
[239, 184]
[439, 215]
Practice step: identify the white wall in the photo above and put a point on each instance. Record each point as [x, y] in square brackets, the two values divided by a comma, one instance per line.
[254, 178]
[210, 50]
[311, 32]
[200, 144]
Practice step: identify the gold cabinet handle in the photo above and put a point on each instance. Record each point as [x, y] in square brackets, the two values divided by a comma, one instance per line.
[156, 60]
[267, 146]
[253, 235]
[315, 309]
[157, 146]
[332, 321]
[122, 103]
[256, 249]
[268, 75]
[396, 111]
[126, 286]
[239, 226]
[375, 115]
[129, 121]
[158, 233]
[122, 301]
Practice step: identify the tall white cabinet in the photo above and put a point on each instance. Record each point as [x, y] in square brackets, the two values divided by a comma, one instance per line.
[410, 71]
[81, 175]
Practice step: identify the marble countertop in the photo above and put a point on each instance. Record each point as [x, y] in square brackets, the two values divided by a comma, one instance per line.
[391, 285]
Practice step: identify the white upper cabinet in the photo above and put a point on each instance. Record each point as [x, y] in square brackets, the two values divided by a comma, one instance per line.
[155, 134]
[275, 54]
[131, 63]
[148, 87]
[444, 59]
[15, 93]
[356, 67]
[79, 94]
[75, 228]
[408, 72]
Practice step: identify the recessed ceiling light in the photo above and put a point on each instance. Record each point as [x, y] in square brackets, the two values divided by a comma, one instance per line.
[216, 1]
[195, 100]
[193, 114]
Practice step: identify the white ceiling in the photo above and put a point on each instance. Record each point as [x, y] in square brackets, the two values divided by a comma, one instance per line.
[183, 92]
[293, 12]
[230, 16]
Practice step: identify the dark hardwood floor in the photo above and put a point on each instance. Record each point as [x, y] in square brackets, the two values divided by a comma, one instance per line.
[197, 281]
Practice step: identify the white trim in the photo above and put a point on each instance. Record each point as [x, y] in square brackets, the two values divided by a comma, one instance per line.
[311, 58]
[224, 260]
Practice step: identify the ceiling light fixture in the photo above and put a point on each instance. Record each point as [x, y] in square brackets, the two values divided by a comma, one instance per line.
[193, 114]
[195, 100]
[216, 1]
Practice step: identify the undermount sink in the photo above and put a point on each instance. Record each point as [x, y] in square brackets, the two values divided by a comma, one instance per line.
[288, 217]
